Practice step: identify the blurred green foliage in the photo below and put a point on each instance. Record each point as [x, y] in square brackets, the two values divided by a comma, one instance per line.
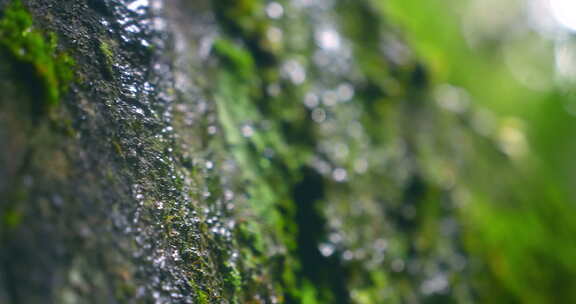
[517, 209]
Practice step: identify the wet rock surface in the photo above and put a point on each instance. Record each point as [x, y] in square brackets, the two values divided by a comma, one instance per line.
[226, 152]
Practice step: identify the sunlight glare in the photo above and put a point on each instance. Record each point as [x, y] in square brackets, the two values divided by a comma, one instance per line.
[564, 12]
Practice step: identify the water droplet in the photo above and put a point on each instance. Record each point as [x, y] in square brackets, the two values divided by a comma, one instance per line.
[209, 165]
[212, 130]
[329, 98]
[295, 72]
[340, 150]
[247, 131]
[335, 238]
[311, 100]
[274, 89]
[345, 92]
[348, 255]
[274, 10]
[132, 29]
[328, 39]
[228, 195]
[340, 175]
[274, 35]
[319, 115]
[322, 166]
[511, 136]
[397, 265]
[176, 255]
[326, 249]
[381, 245]
[138, 4]
[436, 284]
[360, 166]
[452, 98]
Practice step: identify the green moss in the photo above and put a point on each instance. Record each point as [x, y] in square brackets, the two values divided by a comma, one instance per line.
[202, 297]
[232, 278]
[237, 59]
[309, 294]
[37, 51]
[244, 16]
[12, 218]
[269, 181]
[125, 291]
[107, 52]
[362, 25]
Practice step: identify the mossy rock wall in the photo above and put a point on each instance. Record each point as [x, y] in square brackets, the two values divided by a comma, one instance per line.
[226, 151]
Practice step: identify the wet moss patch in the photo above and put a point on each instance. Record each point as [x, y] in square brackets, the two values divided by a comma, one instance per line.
[35, 53]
